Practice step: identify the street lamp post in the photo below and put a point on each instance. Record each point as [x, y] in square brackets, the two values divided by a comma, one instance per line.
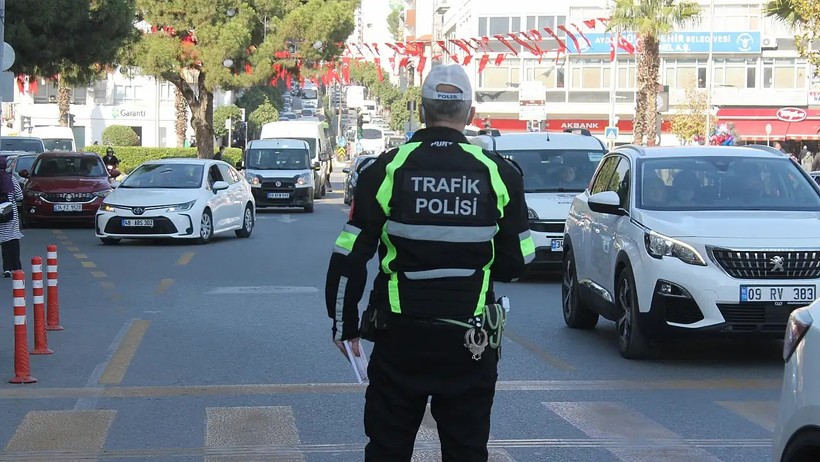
[709, 72]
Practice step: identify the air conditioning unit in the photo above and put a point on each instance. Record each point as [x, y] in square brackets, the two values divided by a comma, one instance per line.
[768, 43]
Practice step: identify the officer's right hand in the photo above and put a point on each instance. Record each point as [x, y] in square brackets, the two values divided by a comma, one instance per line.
[354, 345]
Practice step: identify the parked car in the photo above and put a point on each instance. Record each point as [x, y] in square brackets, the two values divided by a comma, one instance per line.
[65, 186]
[691, 240]
[179, 199]
[797, 433]
[19, 163]
[359, 163]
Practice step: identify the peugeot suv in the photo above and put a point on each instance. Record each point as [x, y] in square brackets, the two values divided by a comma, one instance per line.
[65, 186]
[691, 240]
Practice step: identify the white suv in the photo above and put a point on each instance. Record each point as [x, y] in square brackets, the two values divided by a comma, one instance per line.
[691, 240]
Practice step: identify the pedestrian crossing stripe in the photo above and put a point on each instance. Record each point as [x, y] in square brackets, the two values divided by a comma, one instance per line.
[271, 433]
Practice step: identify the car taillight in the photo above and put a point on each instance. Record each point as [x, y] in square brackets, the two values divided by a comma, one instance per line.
[799, 322]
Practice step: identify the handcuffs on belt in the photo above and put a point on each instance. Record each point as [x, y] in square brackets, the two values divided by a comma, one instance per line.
[486, 329]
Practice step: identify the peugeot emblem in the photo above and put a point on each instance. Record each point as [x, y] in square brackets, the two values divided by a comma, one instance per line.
[777, 264]
[138, 210]
[278, 183]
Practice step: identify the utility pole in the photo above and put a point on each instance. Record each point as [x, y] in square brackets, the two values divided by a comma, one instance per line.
[2, 47]
[709, 72]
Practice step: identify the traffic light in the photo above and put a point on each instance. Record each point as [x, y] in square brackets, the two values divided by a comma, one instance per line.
[25, 123]
[71, 120]
[291, 47]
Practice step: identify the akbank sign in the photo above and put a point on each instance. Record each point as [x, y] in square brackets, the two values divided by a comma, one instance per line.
[679, 42]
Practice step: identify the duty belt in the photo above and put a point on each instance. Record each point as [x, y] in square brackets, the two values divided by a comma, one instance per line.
[486, 329]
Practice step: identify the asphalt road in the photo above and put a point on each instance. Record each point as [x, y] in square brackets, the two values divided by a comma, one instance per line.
[222, 352]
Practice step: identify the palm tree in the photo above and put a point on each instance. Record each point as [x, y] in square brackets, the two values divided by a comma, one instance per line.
[650, 19]
[181, 121]
[785, 10]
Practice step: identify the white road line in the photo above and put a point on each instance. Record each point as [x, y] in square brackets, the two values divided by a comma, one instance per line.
[264, 290]
[227, 427]
[618, 421]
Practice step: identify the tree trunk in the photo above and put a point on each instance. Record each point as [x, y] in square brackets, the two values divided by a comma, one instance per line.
[181, 122]
[63, 102]
[653, 66]
[201, 103]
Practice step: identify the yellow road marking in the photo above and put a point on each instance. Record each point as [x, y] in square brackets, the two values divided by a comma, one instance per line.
[88, 264]
[80, 256]
[763, 413]
[536, 350]
[73, 249]
[185, 258]
[107, 284]
[62, 430]
[163, 286]
[99, 274]
[115, 370]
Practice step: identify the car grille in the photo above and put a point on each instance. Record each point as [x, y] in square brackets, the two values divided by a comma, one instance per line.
[769, 264]
[284, 185]
[162, 225]
[756, 317]
[68, 197]
[547, 226]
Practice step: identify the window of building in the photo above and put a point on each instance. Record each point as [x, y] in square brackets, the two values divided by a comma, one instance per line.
[489, 26]
[47, 93]
[738, 17]
[590, 74]
[549, 74]
[128, 93]
[627, 74]
[682, 73]
[551, 21]
[167, 91]
[507, 75]
[784, 73]
[736, 73]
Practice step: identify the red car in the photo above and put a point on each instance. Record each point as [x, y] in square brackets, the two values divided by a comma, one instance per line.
[65, 186]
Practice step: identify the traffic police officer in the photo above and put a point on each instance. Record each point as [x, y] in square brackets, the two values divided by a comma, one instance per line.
[447, 219]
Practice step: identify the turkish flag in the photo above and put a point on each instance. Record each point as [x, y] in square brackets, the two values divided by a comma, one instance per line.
[467, 60]
[346, 70]
[378, 63]
[483, 63]
[499, 59]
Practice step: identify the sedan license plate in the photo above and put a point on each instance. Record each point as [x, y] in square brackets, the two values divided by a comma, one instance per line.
[68, 207]
[278, 195]
[141, 223]
[557, 245]
[778, 294]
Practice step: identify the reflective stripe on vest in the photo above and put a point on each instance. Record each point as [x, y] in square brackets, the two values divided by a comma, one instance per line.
[441, 233]
[527, 246]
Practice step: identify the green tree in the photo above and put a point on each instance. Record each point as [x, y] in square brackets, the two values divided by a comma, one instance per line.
[221, 114]
[254, 96]
[690, 118]
[650, 19]
[71, 40]
[263, 114]
[206, 45]
[119, 135]
[399, 114]
[804, 17]
[394, 21]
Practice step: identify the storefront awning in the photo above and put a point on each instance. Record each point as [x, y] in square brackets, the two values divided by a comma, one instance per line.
[750, 123]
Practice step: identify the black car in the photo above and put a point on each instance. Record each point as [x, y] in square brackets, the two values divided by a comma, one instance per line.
[360, 163]
[18, 163]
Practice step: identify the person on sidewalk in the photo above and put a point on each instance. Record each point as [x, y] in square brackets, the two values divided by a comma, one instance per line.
[10, 234]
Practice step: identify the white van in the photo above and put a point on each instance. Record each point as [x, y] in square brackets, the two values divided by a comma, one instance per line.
[557, 167]
[372, 139]
[56, 138]
[280, 172]
[311, 132]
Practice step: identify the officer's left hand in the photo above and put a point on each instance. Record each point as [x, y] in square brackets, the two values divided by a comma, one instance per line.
[354, 345]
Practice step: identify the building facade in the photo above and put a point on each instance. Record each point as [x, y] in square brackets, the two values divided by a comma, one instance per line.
[754, 67]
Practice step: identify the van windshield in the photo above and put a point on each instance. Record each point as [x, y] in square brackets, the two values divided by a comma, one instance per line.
[278, 159]
[555, 170]
[58, 145]
[371, 134]
[310, 93]
[21, 144]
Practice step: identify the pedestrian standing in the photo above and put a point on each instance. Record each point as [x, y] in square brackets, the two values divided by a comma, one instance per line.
[10, 234]
[447, 219]
[218, 155]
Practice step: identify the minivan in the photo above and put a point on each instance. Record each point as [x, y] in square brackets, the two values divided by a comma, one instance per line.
[311, 132]
[56, 138]
[280, 173]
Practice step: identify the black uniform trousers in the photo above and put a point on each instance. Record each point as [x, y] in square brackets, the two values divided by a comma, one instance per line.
[413, 361]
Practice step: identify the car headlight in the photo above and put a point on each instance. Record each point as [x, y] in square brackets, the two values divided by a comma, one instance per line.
[106, 207]
[531, 214]
[659, 246]
[31, 193]
[799, 322]
[180, 207]
[254, 180]
[304, 178]
[102, 193]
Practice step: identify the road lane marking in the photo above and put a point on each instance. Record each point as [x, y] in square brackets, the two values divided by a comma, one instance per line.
[264, 290]
[163, 286]
[79, 431]
[118, 365]
[57, 231]
[327, 387]
[185, 258]
[428, 433]
[227, 427]
[90, 402]
[80, 256]
[285, 453]
[537, 351]
[763, 413]
[99, 274]
[107, 284]
[88, 264]
[619, 422]
[73, 249]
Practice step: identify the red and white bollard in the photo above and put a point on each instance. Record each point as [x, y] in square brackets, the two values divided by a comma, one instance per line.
[53, 317]
[22, 368]
[40, 337]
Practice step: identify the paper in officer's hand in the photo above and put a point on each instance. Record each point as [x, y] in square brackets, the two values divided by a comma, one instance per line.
[359, 363]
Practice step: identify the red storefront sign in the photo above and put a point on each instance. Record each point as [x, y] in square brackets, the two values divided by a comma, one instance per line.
[787, 123]
[595, 126]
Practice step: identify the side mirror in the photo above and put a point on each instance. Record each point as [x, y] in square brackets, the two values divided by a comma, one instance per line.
[240, 165]
[24, 173]
[345, 170]
[607, 202]
[220, 186]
